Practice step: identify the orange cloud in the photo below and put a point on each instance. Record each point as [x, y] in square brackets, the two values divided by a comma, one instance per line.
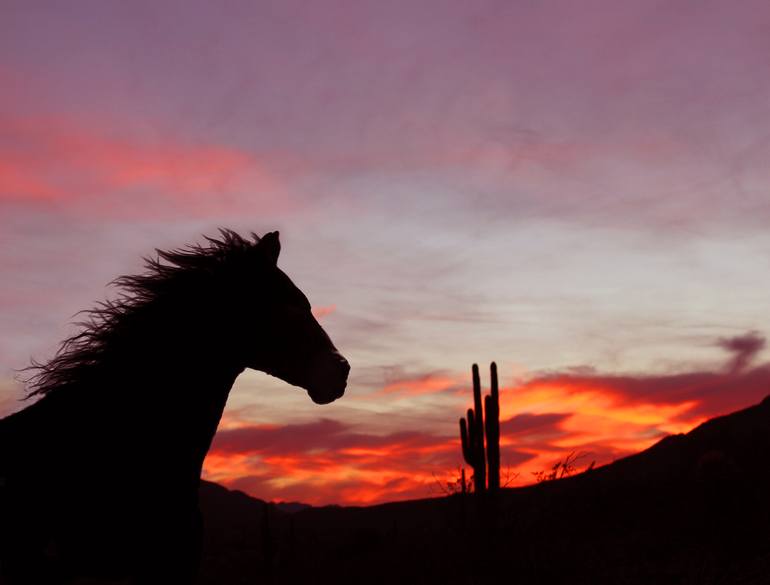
[612, 416]
[542, 420]
[329, 462]
[321, 312]
[425, 384]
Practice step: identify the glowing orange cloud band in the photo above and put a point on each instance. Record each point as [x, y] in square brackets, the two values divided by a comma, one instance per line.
[541, 420]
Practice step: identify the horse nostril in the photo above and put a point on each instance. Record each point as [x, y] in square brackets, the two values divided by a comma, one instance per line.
[345, 366]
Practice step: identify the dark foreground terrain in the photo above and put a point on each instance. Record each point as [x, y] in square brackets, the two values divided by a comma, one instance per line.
[692, 509]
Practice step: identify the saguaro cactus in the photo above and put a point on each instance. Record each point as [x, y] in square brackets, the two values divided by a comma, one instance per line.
[492, 428]
[473, 430]
[472, 436]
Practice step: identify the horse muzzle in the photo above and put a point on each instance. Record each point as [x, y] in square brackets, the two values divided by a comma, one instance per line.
[330, 378]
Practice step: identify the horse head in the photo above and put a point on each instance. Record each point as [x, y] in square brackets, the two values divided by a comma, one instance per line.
[276, 331]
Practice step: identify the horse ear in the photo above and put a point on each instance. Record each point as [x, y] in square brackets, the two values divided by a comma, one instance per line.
[270, 246]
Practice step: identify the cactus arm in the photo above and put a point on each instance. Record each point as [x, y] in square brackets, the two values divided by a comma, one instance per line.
[464, 441]
[477, 401]
[481, 470]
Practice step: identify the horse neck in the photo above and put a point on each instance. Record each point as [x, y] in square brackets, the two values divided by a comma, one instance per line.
[195, 392]
[173, 382]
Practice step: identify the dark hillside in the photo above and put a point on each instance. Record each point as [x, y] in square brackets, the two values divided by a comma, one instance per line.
[691, 509]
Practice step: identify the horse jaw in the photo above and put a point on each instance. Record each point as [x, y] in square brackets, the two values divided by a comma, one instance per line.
[325, 378]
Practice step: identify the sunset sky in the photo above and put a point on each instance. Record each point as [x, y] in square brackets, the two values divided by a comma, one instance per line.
[579, 191]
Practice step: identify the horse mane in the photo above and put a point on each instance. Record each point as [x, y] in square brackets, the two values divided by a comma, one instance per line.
[166, 274]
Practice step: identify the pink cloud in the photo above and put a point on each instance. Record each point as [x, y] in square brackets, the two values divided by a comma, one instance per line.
[430, 383]
[58, 161]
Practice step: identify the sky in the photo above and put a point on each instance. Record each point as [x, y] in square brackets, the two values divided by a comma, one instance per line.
[577, 191]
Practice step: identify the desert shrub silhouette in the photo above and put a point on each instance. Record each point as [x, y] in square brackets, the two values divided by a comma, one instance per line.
[100, 476]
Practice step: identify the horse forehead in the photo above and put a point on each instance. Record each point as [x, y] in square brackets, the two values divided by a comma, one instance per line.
[288, 286]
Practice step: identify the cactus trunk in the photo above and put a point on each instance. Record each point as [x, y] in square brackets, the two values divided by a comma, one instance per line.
[492, 421]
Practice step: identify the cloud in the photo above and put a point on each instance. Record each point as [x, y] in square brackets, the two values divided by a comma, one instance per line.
[326, 461]
[323, 435]
[353, 490]
[528, 424]
[67, 163]
[321, 312]
[611, 415]
[543, 419]
[278, 439]
[675, 398]
[11, 395]
[744, 349]
[428, 383]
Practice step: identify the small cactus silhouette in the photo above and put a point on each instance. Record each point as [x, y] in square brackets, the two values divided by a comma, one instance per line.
[478, 425]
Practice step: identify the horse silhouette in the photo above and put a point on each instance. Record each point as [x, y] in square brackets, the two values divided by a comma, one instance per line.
[100, 476]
